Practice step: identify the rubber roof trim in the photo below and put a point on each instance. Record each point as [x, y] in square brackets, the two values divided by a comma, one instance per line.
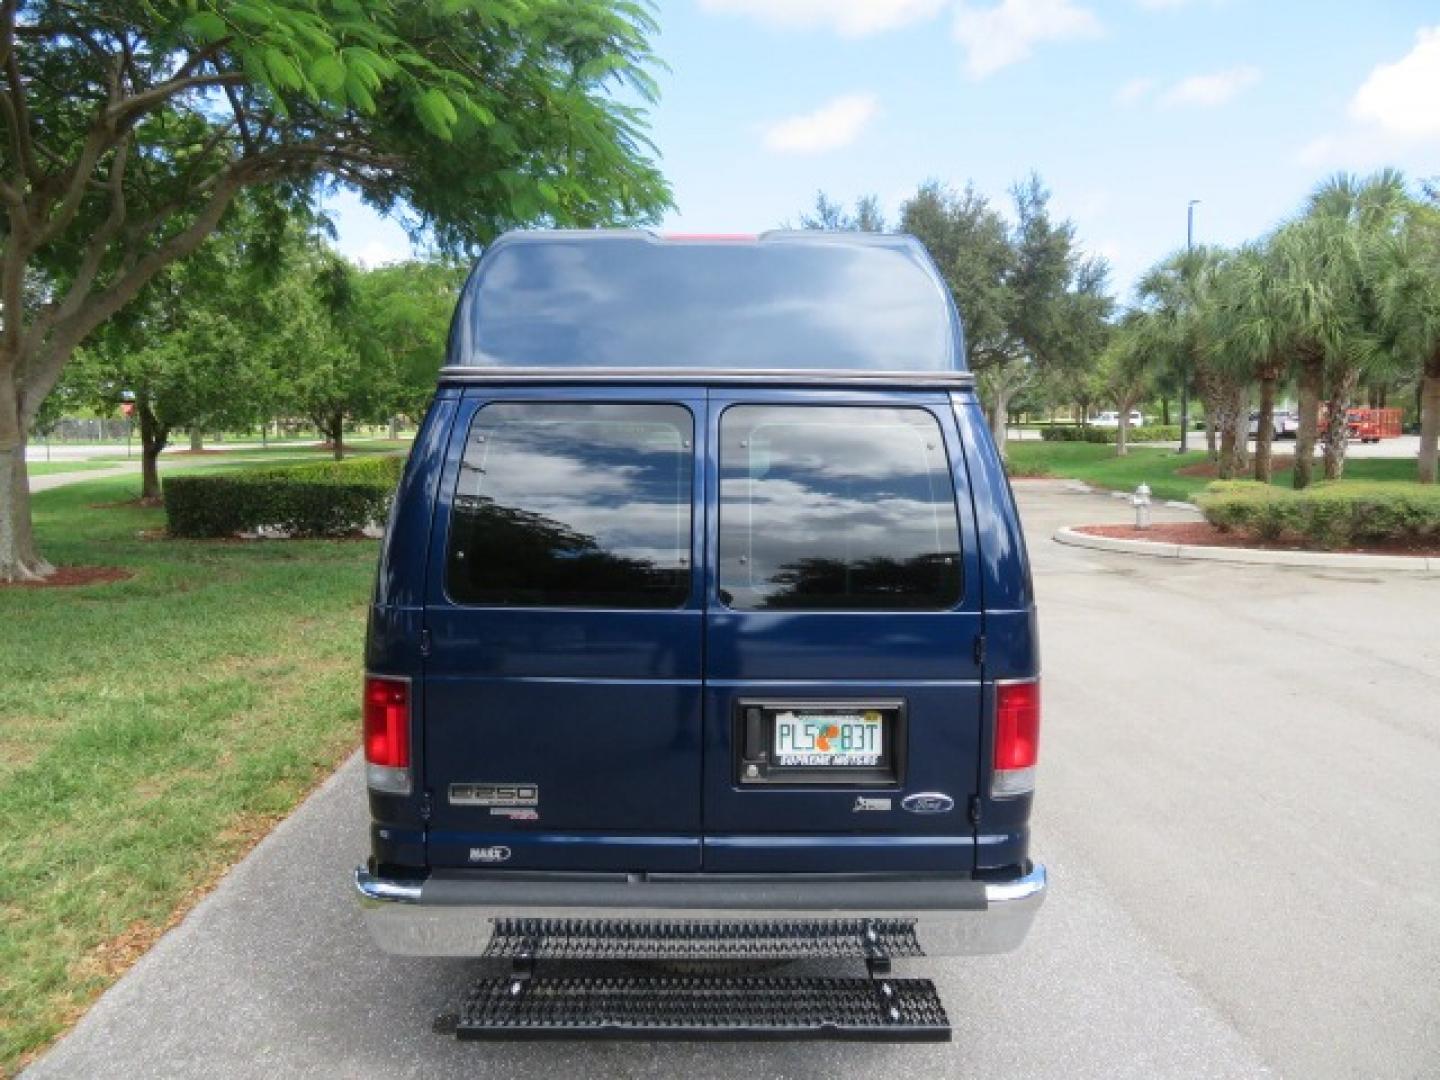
[466, 373]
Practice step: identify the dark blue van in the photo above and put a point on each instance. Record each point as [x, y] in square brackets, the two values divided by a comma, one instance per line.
[703, 632]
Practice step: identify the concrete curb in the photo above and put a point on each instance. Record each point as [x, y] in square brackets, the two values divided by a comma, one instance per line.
[1332, 560]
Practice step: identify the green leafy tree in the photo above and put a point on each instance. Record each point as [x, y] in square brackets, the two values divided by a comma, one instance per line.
[1032, 304]
[314, 345]
[401, 317]
[1350, 217]
[830, 215]
[1406, 267]
[131, 126]
[183, 354]
[1126, 368]
[1253, 337]
[1177, 291]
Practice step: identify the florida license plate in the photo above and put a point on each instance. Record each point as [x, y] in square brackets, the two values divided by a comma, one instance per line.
[830, 739]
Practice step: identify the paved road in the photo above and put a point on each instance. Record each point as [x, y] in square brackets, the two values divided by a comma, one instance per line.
[1239, 801]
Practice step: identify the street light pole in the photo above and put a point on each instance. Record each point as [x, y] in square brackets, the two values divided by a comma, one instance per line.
[1184, 356]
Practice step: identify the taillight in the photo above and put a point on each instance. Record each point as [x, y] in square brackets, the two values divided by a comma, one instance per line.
[387, 734]
[1017, 737]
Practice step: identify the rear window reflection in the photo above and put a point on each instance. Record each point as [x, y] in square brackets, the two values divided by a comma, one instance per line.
[573, 505]
[836, 508]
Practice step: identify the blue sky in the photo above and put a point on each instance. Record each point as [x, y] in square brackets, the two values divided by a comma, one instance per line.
[1126, 108]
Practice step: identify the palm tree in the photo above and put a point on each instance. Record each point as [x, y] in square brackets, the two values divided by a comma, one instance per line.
[1175, 293]
[1252, 335]
[1127, 366]
[1355, 216]
[1314, 290]
[1406, 267]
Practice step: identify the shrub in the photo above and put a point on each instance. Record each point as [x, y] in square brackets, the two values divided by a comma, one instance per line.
[1328, 515]
[322, 498]
[1147, 433]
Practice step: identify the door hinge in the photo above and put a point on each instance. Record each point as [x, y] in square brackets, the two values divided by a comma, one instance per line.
[425, 807]
[979, 648]
[975, 810]
[425, 643]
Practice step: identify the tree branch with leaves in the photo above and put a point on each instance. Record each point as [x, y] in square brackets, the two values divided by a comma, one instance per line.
[132, 126]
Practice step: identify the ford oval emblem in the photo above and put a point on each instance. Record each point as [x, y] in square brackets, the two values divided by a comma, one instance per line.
[928, 802]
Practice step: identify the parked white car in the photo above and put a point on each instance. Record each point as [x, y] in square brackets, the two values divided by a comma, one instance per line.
[1112, 419]
[1285, 424]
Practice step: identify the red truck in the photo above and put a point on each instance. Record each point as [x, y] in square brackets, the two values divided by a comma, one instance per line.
[1367, 425]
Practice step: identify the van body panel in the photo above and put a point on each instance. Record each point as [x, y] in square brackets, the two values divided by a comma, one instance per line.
[923, 658]
[598, 710]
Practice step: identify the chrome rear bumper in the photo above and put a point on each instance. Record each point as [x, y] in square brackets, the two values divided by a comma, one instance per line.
[697, 917]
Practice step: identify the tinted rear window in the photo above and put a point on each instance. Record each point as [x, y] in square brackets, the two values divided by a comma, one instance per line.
[836, 508]
[573, 505]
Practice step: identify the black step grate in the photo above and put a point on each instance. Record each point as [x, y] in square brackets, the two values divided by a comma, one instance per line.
[640, 939]
[704, 1007]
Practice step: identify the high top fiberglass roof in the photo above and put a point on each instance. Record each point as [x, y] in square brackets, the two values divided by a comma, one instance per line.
[793, 301]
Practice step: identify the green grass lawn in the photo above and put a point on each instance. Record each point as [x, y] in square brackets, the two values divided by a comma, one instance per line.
[1096, 464]
[48, 468]
[150, 731]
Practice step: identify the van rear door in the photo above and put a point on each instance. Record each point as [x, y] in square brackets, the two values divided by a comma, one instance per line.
[843, 693]
[562, 692]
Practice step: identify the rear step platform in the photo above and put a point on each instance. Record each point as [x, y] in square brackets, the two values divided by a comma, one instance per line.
[703, 1007]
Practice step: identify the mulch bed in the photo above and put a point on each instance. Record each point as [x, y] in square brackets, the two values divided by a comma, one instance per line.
[68, 577]
[1278, 463]
[1203, 534]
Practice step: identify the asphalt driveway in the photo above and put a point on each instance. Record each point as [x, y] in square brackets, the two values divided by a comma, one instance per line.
[1239, 804]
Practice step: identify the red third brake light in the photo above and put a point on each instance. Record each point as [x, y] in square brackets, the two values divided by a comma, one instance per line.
[387, 733]
[1017, 737]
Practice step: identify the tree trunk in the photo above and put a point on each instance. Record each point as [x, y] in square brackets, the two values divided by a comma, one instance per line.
[337, 436]
[153, 437]
[197, 440]
[19, 558]
[1337, 431]
[1165, 411]
[1241, 423]
[1308, 391]
[999, 419]
[394, 428]
[1265, 427]
[1222, 420]
[1211, 449]
[1429, 419]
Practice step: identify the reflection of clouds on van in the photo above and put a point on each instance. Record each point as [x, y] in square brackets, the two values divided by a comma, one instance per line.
[576, 501]
[843, 507]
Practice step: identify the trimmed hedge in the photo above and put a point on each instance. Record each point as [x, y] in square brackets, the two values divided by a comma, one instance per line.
[1340, 514]
[1146, 433]
[322, 498]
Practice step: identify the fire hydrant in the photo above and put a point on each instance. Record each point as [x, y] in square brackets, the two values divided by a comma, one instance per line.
[1141, 501]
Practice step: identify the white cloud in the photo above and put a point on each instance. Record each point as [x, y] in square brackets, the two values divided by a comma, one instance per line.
[850, 18]
[1394, 108]
[1403, 98]
[1207, 91]
[995, 37]
[1134, 91]
[835, 124]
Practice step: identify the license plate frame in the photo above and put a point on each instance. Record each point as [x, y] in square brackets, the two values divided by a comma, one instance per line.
[755, 741]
